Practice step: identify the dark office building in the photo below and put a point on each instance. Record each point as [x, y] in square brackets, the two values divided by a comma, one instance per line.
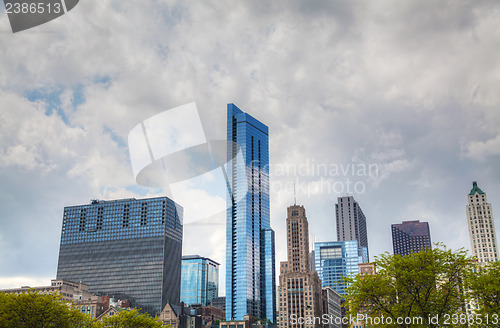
[351, 222]
[410, 237]
[219, 302]
[128, 248]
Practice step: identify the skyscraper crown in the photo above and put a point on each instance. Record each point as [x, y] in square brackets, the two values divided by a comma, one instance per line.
[475, 189]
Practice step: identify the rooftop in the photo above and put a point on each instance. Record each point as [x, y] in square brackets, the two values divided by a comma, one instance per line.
[475, 189]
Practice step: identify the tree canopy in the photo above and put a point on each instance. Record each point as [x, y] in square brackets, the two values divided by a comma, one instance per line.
[426, 285]
[35, 310]
[130, 319]
[483, 288]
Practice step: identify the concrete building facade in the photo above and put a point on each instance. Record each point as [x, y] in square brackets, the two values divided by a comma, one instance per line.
[300, 294]
[332, 306]
[77, 295]
[351, 221]
[68, 290]
[481, 224]
[178, 316]
[365, 269]
[210, 314]
[219, 302]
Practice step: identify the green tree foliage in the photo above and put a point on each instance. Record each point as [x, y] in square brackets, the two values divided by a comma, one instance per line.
[484, 290]
[130, 319]
[34, 310]
[426, 285]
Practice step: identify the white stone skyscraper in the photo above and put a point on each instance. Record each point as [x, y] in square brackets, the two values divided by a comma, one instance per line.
[481, 226]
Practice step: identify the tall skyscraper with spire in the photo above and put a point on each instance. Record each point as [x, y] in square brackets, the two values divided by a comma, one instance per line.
[481, 226]
[300, 292]
[250, 271]
[351, 222]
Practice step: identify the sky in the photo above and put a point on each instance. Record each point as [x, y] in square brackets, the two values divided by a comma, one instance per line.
[395, 103]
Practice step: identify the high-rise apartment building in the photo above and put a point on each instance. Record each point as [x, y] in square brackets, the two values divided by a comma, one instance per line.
[250, 271]
[199, 280]
[336, 260]
[410, 237]
[128, 248]
[482, 233]
[300, 293]
[351, 222]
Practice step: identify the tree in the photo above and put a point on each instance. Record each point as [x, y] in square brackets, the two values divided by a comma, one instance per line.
[131, 319]
[427, 286]
[484, 290]
[34, 310]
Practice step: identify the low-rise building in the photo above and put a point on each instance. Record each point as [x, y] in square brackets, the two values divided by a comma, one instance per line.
[177, 316]
[68, 290]
[111, 311]
[77, 295]
[248, 321]
[235, 324]
[93, 307]
[210, 315]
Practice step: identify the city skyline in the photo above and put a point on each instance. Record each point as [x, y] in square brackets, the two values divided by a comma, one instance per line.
[408, 88]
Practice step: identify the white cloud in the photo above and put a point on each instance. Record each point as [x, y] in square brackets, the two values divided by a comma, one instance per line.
[481, 150]
[31, 139]
[19, 281]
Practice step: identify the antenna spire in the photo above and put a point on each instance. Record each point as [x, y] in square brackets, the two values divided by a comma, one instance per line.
[294, 195]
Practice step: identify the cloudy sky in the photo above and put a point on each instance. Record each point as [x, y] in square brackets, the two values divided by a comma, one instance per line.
[409, 89]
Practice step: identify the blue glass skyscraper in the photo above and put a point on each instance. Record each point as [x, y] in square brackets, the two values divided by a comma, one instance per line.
[199, 280]
[250, 271]
[336, 260]
[128, 248]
